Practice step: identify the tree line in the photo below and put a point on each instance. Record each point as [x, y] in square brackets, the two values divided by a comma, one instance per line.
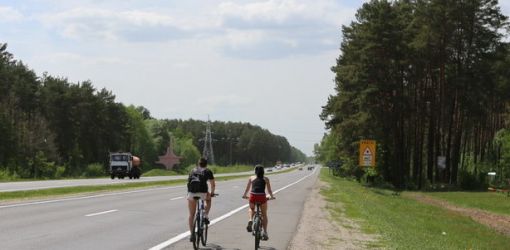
[51, 127]
[425, 79]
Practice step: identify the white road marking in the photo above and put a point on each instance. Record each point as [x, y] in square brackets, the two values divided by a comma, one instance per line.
[100, 213]
[86, 197]
[43, 187]
[187, 233]
[176, 198]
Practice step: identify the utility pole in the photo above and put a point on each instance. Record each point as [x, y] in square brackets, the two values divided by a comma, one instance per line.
[208, 148]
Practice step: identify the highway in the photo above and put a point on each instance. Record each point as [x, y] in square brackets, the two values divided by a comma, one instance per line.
[33, 185]
[154, 218]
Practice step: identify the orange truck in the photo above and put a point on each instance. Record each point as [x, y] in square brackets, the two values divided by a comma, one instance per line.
[124, 164]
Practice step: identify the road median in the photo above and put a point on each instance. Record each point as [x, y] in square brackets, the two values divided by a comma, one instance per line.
[15, 196]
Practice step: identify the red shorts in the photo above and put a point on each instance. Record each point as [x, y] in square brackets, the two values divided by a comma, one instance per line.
[261, 198]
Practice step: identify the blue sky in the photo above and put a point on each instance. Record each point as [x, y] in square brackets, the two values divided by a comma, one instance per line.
[264, 62]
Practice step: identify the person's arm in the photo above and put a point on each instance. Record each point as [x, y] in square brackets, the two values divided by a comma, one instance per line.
[268, 185]
[213, 186]
[247, 188]
[212, 182]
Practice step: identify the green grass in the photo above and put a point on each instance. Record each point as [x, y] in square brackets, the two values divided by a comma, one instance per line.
[52, 192]
[404, 223]
[490, 201]
[216, 169]
[162, 172]
[231, 169]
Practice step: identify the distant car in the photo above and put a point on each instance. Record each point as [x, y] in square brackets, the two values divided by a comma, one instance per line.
[269, 169]
[300, 168]
[310, 167]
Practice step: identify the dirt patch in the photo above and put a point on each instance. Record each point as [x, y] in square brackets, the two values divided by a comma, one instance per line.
[317, 229]
[500, 223]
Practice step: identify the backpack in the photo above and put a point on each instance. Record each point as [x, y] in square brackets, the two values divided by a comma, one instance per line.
[195, 181]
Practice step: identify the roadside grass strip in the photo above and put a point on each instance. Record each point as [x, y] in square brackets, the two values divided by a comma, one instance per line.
[490, 201]
[404, 223]
[65, 191]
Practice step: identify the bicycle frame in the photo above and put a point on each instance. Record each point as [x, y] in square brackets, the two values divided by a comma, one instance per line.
[199, 225]
[257, 223]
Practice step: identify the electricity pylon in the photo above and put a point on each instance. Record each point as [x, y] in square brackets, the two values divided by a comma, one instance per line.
[208, 148]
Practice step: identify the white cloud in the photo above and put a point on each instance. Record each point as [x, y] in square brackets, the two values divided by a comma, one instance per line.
[132, 25]
[284, 13]
[275, 11]
[8, 14]
[254, 30]
[282, 28]
[84, 60]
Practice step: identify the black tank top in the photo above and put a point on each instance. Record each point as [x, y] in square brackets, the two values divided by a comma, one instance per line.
[258, 186]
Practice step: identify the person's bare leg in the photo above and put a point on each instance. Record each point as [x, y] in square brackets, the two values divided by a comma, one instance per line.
[192, 208]
[251, 211]
[263, 208]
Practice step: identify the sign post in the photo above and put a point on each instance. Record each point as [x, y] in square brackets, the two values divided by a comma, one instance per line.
[367, 153]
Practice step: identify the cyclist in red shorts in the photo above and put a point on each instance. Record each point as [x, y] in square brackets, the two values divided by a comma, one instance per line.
[258, 184]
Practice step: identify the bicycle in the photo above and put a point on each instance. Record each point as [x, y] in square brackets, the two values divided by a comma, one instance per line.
[199, 226]
[257, 223]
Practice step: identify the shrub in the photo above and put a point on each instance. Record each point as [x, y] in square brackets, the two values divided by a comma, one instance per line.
[4, 175]
[469, 181]
[94, 170]
[60, 172]
[41, 166]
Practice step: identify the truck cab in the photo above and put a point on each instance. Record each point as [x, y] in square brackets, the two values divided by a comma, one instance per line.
[124, 164]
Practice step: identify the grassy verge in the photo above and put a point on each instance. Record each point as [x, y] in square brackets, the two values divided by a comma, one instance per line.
[231, 169]
[216, 169]
[51, 192]
[162, 172]
[404, 223]
[493, 202]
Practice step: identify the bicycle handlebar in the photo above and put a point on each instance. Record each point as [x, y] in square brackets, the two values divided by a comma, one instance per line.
[268, 198]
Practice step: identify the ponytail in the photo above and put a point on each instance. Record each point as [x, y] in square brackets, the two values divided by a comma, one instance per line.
[259, 171]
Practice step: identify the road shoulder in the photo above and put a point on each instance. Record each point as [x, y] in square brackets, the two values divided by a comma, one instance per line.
[318, 230]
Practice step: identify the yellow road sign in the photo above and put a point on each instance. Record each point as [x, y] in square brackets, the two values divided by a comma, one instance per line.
[367, 153]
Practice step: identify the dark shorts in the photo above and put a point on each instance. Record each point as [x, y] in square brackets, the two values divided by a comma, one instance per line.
[261, 198]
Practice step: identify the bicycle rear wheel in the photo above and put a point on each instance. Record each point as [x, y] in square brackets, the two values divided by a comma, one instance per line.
[203, 236]
[257, 231]
[196, 232]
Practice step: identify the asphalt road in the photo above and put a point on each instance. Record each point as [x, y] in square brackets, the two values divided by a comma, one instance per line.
[33, 185]
[151, 219]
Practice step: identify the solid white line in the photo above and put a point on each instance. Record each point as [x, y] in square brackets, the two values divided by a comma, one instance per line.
[27, 189]
[176, 198]
[100, 213]
[86, 197]
[187, 233]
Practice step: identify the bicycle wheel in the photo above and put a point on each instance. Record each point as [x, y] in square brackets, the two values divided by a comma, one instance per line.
[196, 232]
[203, 236]
[257, 232]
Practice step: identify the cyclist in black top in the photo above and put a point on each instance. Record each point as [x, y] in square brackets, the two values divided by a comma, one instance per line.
[258, 185]
[202, 192]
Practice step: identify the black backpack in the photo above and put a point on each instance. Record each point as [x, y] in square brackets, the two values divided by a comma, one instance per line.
[195, 180]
